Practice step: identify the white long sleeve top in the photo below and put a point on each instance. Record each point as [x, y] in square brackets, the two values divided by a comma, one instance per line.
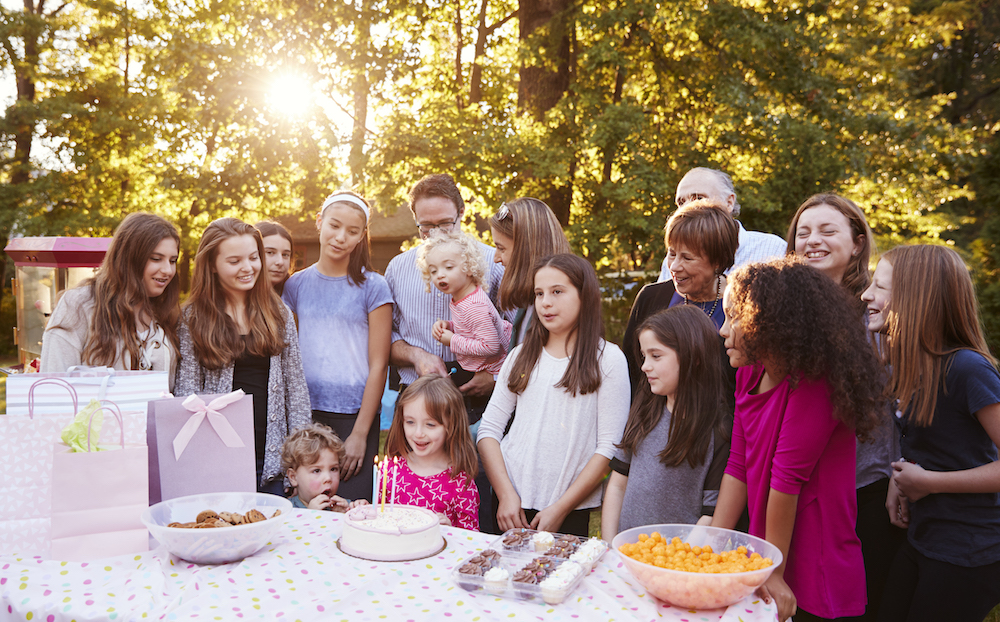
[555, 434]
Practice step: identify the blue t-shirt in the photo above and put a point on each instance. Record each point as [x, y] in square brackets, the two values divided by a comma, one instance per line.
[333, 334]
[958, 528]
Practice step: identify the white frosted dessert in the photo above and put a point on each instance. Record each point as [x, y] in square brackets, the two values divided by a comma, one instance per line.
[399, 533]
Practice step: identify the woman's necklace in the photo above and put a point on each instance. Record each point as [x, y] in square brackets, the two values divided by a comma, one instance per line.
[718, 289]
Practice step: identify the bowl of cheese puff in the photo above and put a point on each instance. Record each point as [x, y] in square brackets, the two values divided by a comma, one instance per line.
[694, 566]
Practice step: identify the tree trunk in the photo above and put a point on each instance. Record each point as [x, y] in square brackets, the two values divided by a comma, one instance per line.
[544, 25]
[459, 44]
[357, 156]
[482, 34]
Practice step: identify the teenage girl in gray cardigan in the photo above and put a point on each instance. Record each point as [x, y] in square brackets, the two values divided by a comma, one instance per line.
[236, 333]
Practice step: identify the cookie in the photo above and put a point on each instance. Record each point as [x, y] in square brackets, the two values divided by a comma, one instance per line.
[207, 514]
[253, 516]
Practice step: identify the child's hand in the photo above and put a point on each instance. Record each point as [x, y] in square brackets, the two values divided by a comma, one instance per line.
[897, 506]
[549, 519]
[911, 480]
[441, 332]
[510, 515]
[357, 503]
[320, 502]
[776, 588]
[443, 519]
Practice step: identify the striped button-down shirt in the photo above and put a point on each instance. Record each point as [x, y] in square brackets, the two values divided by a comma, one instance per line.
[415, 309]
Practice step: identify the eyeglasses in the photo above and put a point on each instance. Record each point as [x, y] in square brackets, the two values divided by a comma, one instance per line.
[426, 228]
[503, 212]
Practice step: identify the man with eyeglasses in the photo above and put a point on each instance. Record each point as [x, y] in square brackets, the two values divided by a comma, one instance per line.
[437, 205]
[709, 183]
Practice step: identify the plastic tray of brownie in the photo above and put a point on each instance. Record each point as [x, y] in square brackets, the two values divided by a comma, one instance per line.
[512, 576]
[529, 543]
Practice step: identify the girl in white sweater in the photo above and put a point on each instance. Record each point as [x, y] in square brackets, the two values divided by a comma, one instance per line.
[571, 392]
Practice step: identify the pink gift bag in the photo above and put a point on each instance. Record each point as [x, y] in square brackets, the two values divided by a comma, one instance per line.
[26, 463]
[98, 499]
[201, 444]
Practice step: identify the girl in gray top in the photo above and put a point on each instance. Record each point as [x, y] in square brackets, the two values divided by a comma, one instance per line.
[676, 443]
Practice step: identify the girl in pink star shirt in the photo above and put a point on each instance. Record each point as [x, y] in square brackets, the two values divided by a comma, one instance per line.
[438, 460]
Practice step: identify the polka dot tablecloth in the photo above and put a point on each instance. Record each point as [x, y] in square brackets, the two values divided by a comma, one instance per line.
[302, 575]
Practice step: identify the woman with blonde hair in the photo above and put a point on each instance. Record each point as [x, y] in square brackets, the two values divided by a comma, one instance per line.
[944, 489]
[524, 231]
[126, 316]
[237, 334]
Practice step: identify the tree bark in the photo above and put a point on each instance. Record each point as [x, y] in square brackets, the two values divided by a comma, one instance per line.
[357, 158]
[544, 25]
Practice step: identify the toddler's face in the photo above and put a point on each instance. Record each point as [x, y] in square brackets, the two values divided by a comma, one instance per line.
[444, 263]
[322, 477]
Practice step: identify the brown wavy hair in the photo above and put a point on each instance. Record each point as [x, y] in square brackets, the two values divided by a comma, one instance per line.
[445, 405]
[440, 185]
[796, 317]
[700, 405]
[216, 337]
[536, 233]
[933, 314]
[707, 228]
[360, 260]
[583, 374]
[304, 445]
[119, 294]
[857, 277]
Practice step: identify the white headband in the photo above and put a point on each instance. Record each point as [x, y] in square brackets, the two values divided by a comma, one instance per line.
[348, 198]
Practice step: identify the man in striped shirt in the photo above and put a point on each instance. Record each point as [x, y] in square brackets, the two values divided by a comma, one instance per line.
[708, 183]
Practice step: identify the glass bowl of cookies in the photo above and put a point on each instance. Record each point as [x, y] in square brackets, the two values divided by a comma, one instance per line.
[217, 527]
[696, 567]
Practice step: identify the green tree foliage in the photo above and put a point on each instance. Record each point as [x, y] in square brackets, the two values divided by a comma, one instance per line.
[596, 107]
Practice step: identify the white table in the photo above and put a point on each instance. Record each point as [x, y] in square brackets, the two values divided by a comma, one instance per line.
[302, 575]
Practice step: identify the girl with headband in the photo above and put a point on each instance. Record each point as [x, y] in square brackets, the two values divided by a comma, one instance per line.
[344, 310]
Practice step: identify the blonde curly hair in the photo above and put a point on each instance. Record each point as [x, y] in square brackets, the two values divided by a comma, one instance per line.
[472, 258]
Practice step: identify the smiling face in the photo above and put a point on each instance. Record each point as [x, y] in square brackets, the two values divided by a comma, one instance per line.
[878, 295]
[557, 302]
[733, 335]
[237, 265]
[321, 477]
[445, 266]
[341, 227]
[823, 237]
[661, 366]
[424, 434]
[504, 245]
[160, 267]
[277, 258]
[692, 274]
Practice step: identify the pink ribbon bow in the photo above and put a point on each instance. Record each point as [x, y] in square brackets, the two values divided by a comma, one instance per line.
[211, 410]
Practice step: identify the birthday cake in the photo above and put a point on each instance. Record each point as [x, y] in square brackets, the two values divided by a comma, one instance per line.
[394, 533]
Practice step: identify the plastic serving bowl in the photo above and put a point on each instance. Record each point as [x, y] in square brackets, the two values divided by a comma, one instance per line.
[220, 545]
[697, 590]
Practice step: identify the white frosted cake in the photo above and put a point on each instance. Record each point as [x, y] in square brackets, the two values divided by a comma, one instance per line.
[399, 533]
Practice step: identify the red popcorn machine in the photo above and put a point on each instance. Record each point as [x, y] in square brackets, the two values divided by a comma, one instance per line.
[45, 268]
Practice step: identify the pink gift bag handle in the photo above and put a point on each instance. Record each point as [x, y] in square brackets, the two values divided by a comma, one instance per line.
[58, 382]
[112, 408]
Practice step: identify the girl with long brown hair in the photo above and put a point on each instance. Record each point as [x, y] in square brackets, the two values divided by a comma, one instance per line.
[235, 333]
[676, 442]
[430, 436]
[944, 490]
[126, 316]
[571, 392]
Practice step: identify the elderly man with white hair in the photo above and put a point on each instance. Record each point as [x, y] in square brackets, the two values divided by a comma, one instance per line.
[708, 183]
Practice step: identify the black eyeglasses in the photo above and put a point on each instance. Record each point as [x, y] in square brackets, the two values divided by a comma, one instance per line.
[426, 228]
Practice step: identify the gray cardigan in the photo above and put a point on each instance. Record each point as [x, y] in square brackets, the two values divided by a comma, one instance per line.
[288, 396]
